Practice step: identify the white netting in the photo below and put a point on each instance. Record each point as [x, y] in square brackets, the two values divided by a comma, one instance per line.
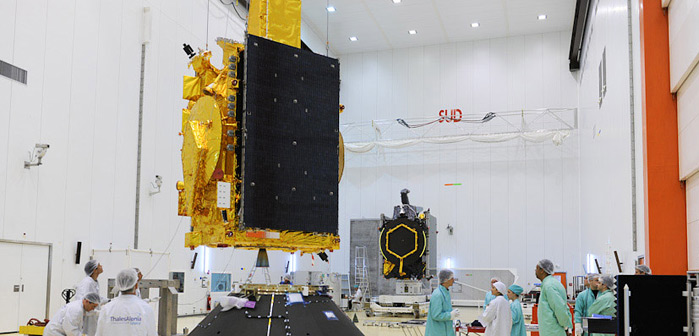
[556, 137]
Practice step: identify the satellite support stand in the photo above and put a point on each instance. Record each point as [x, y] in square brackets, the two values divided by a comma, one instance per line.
[262, 262]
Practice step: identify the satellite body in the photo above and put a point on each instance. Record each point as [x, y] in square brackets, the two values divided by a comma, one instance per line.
[261, 140]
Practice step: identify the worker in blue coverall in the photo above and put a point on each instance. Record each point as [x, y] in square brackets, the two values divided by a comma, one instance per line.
[518, 327]
[441, 314]
[584, 301]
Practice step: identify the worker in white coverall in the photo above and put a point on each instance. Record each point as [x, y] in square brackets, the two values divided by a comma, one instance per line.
[497, 317]
[90, 285]
[70, 319]
[489, 295]
[126, 314]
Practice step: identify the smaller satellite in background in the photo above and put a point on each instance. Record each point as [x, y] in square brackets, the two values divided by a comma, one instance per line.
[403, 241]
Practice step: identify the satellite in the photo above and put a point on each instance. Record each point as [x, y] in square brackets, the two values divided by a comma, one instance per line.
[261, 149]
[403, 241]
[261, 162]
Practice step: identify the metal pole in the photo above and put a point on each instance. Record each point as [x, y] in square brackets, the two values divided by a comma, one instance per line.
[627, 311]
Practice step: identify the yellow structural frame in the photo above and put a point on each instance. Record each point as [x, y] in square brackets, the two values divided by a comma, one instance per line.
[400, 267]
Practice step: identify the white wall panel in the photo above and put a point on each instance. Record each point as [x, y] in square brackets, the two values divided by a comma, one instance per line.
[24, 121]
[688, 124]
[517, 73]
[533, 53]
[683, 25]
[5, 98]
[515, 202]
[693, 222]
[8, 20]
[605, 141]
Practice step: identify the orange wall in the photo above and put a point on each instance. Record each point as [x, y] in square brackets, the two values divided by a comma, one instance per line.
[666, 221]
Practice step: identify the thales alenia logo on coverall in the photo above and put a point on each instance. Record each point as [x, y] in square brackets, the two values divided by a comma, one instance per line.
[125, 319]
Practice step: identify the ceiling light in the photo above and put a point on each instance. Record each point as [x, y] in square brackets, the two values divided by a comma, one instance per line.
[412, 32]
[542, 16]
[331, 9]
[396, 1]
[353, 38]
[475, 25]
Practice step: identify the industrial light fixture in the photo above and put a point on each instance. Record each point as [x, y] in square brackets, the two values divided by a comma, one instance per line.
[331, 9]
[36, 155]
[353, 38]
[542, 17]
[396, 1]
[412, 32]
[475, 25]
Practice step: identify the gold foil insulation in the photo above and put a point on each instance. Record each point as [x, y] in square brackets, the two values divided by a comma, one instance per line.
[209, 157]
[277, 20]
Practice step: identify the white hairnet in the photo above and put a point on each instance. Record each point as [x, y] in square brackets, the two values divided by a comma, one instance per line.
[607, 280]
[591, 276]
[546, 265]
[501, 287]
[126, 280]
[91, 266]
[445, 275]
[494, 279]
[644, 269]
[93, 297]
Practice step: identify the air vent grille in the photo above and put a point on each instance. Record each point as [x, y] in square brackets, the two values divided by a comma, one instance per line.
[12, 72]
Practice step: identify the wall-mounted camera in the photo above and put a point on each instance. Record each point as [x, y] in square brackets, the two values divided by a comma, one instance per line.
[156, 184]
[36, 155]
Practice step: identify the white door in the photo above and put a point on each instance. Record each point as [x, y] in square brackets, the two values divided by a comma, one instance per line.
[10, 286]
[34, 276]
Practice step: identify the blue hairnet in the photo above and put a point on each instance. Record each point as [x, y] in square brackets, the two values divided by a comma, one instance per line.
[516, 289]
[546, 265]
[93, 297]
[445, 275]
[91, 266]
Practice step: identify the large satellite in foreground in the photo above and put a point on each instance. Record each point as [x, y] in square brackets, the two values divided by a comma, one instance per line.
[261, 140]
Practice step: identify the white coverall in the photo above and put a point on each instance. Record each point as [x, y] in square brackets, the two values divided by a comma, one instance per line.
[89, 285]
[497, 317]
[126, 315]
[68, 321]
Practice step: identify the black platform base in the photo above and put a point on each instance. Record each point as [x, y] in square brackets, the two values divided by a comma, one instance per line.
[318, 315]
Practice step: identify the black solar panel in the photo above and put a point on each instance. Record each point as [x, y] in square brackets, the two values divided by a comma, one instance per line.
[291, 120]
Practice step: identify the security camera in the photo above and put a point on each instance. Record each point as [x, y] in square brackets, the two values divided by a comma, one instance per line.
[36, 155]
[155, 185]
